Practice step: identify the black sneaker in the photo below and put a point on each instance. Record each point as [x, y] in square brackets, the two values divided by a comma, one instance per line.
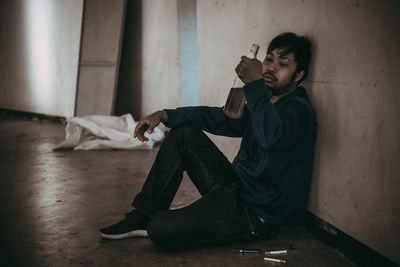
[134, 225]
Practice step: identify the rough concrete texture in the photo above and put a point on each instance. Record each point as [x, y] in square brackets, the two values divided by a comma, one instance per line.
[52, 204]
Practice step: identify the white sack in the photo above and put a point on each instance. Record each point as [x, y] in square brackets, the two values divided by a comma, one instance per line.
[105, 132]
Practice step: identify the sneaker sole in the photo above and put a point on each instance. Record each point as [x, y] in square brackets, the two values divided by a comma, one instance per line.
[135, 233]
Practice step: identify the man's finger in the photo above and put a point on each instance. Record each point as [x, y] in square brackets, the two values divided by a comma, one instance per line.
[135, 134]
[237, 70]
[142, 137]
[151, 128]
[139, 127]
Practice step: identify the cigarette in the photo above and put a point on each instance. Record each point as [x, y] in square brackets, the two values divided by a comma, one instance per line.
[276, 252]
[249, 251]
[275, 260]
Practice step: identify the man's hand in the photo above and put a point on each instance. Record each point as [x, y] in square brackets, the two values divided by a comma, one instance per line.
[148, 123]
[249, 69]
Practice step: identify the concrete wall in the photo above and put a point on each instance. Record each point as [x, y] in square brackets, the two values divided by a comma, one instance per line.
[149, 74]
[39, 48]
[353, 85]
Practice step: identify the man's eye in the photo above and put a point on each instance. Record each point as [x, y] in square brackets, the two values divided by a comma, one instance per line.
[284, 64]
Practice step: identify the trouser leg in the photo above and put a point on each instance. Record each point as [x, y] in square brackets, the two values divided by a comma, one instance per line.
[186, 148]
[220, 216]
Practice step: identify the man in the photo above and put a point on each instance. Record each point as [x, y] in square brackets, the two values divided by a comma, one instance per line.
[266, 185]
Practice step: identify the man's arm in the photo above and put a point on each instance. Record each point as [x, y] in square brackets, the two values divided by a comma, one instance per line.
[210, 119]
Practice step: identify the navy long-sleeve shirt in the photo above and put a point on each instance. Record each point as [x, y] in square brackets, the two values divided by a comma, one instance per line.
[275, 159]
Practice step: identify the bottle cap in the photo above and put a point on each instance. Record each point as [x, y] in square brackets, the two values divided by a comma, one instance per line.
[254, 50]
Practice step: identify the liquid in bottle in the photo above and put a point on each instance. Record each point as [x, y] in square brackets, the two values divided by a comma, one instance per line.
[236, 100]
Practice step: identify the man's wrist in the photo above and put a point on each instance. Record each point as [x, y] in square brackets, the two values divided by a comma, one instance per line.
[163, 116]
[256, 89]
[256, 80]
[260, 77]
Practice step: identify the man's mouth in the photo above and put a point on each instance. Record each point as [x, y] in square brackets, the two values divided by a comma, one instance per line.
[269, 77]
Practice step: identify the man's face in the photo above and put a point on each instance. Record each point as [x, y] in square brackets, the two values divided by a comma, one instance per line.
[279, 71]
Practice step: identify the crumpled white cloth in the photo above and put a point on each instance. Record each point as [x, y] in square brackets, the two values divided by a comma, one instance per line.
[105, 132]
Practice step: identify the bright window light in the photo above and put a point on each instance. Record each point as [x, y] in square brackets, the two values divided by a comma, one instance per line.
[39, 47]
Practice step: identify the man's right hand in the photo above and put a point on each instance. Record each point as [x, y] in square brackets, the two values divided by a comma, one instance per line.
[148, 123]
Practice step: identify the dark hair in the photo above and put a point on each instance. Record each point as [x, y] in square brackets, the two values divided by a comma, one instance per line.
[299, 45]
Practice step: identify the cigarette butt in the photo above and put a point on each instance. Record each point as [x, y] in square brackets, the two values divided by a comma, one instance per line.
[274, 260]
[276, 252]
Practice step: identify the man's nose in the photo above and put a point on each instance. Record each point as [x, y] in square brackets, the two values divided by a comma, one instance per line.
[271, 67]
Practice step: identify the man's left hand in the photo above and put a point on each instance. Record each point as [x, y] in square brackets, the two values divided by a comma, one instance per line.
[249, 69]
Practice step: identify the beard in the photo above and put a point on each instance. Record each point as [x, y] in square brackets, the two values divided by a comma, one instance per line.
[282, 89]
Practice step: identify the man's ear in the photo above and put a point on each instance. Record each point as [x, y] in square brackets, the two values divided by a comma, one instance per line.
[299, 76]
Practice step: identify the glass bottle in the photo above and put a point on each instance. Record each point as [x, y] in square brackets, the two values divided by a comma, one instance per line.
[236, 99]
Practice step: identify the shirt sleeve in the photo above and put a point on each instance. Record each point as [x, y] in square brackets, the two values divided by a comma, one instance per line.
[209, 119]
[275, 129]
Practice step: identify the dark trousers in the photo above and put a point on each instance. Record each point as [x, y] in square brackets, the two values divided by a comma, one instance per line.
[220, 215]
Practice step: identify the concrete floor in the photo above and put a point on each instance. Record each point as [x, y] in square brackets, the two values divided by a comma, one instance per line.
[52, 204]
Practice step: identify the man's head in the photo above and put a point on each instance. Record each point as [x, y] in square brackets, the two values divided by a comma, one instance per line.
[286, 63]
